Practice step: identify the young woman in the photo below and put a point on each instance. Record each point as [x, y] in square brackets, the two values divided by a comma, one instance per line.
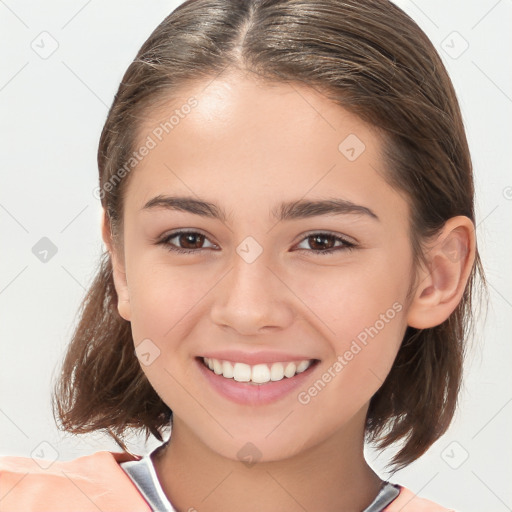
[288, 211]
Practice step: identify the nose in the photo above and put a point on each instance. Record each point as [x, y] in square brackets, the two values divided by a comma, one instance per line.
[252, 298]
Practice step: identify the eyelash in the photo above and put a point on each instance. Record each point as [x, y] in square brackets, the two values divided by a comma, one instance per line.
[347, 246]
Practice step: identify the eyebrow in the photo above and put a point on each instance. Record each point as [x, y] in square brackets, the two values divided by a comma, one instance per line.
[293, 210]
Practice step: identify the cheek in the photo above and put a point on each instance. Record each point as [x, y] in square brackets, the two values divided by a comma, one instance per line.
[162, 297]
[363, 313]
[163, 301]
[353, 374]
[365, 308]
[349, 300]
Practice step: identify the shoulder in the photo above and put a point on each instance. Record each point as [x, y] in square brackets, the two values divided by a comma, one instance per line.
[91, 482]
[407, 501]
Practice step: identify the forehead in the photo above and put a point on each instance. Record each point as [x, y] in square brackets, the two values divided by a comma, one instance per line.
[238, 104]
[258, 140]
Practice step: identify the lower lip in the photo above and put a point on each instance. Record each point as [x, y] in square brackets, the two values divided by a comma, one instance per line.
[254, 394]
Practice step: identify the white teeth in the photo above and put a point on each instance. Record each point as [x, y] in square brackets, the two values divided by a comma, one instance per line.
[259, 373]
[227, 370]
[276, 371]
[241, 372]
[217, 366]
[302, 366]
[290, 370]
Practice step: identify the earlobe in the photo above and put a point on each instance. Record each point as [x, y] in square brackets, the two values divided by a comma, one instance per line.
[441, 284]
[118, 270]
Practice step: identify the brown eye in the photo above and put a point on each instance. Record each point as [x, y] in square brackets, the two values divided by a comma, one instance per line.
[320, 242]
[191, 240]
[186, 242]
[325, 243]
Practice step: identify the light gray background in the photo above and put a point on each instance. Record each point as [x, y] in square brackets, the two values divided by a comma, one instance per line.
[52, 110]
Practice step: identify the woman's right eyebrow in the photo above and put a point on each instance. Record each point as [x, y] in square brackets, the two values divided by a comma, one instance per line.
[292, 210]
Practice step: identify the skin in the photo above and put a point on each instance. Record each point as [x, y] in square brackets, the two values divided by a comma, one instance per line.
[246, 147]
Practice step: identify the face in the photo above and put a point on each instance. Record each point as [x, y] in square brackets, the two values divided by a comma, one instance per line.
[301, 252]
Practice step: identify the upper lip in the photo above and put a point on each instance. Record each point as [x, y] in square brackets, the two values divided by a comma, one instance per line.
[253, 358]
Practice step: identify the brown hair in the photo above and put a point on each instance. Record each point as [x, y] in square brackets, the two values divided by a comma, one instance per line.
[372, 59]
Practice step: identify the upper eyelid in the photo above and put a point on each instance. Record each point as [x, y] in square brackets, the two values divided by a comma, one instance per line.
[172, 234]
[347, 239]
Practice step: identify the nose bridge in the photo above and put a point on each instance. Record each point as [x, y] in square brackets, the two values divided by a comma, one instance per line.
[251, 296]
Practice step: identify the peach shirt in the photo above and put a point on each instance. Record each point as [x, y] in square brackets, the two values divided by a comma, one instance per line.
[97, 482]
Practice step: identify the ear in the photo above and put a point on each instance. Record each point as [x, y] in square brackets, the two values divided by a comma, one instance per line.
[119, 272]
[441, 284]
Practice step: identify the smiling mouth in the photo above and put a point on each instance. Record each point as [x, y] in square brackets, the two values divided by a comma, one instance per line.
[258, 373]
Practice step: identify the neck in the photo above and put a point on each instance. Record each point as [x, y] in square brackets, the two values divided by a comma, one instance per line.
[330, 476]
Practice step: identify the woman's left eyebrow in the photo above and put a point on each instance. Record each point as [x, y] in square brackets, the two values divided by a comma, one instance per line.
[292, 210]
[302, 209]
